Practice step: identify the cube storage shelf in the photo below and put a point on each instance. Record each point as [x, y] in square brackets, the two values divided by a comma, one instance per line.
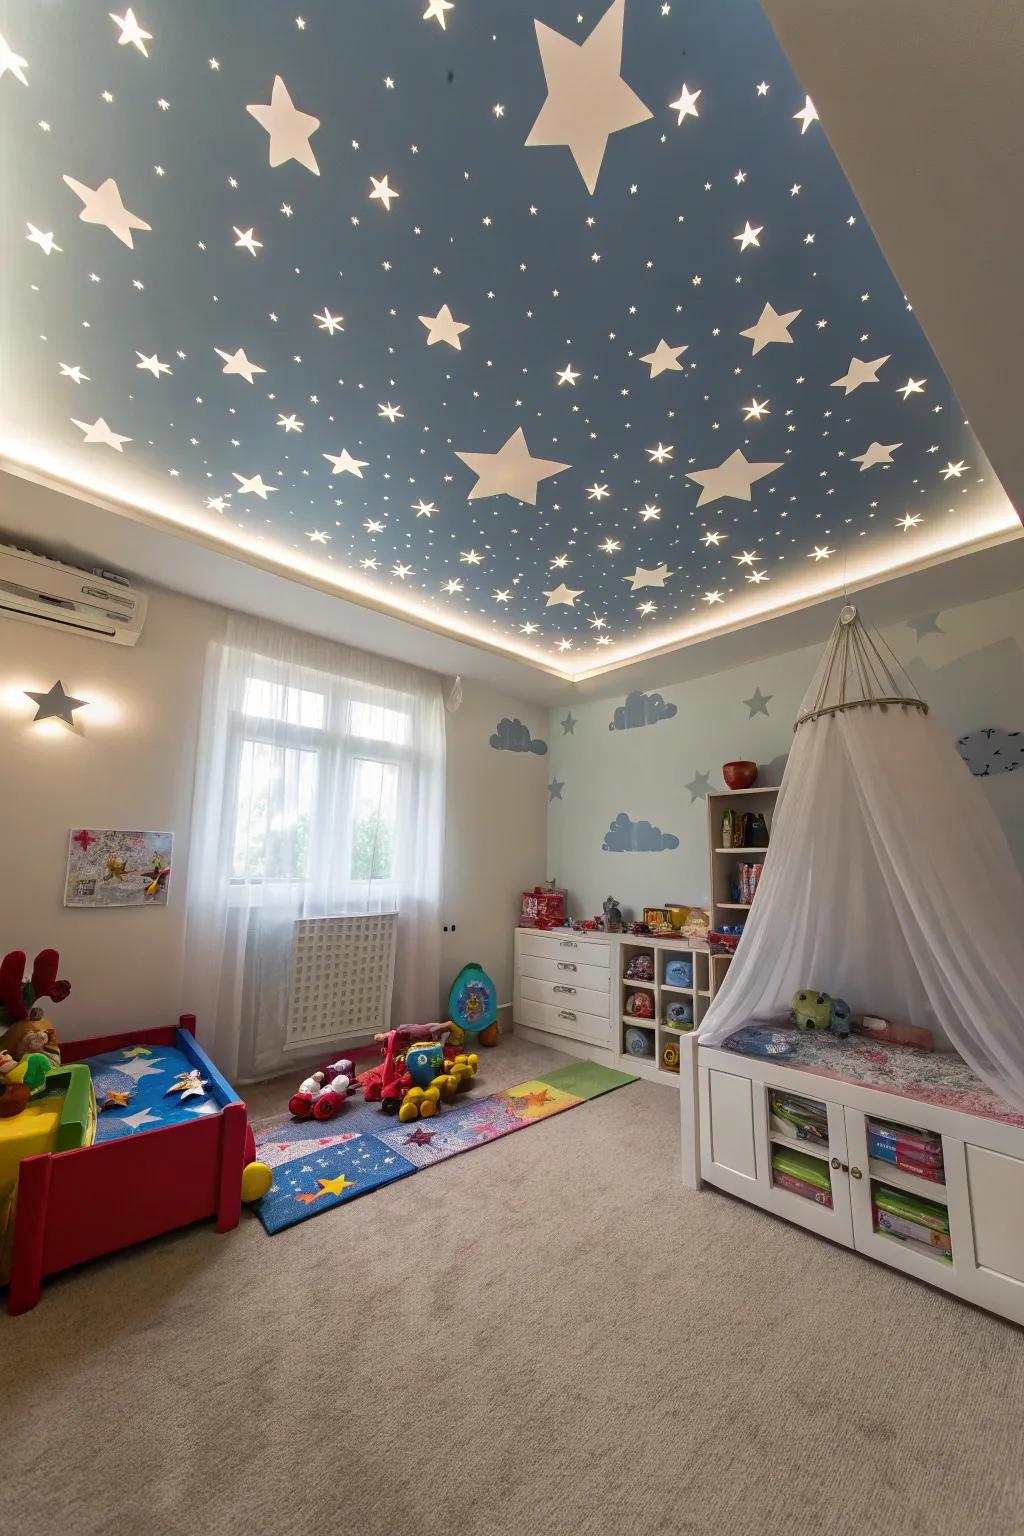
[724, 861]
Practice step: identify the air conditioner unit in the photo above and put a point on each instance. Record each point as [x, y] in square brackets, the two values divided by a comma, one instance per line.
[44, 591]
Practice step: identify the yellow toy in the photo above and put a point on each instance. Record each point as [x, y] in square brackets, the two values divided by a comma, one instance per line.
[456, 1077]
[256, 1180]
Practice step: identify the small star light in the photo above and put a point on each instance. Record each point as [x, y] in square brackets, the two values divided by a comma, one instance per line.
[247, 241]
[152, 364]
[470, 557]
[131, 32]
[610, 546]
[711, 598]
[758, 576]
[453, 585]
[660, 454]
[686, 105]
[46, 243]
[55, 704]
[373, 525]
[597, 492]
[382, 192]
[392, 412]
[748, 235]
[911, 520]
[435, 11]
[820, 552]
[912, 387]
[328, 322]
[650, 514]
[712, 538]
[423, 508]
[290, 423]
[747, 558]
[954, 471]
[567, 375]
[316, 537]
[755, 410]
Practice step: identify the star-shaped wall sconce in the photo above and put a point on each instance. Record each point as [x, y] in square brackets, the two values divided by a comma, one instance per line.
[55, 704]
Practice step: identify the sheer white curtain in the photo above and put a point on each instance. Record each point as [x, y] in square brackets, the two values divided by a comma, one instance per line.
[319, 792]
[888, 882]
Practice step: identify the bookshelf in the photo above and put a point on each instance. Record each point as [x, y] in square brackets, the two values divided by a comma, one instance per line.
[724, 907]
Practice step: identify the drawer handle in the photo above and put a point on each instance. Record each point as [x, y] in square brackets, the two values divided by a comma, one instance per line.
[563, 1013]
[564, 989]
[567, 965]
[568, 943]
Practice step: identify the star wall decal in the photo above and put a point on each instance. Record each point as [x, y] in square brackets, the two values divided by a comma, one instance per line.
[758, 703]
[103, 205]
[55, 704]
[290, 130]
[770, 327]
[733, 477]
[444, 327]
[555, 788]
[587, 99]
[875, 453]
[926, 624]
[859, 373]
[253, 485]
[699, 786]
[382, 192]
[73, 372]
[664, 359]
[562, 595]
[98, 432]
[152, 364]
[807, 115]
[511, 471]
[653, 578]
[344, 464]
[12, 62]
[912, 387]
[569, 724]
[131, 32]
[237, 362]
[748, 235]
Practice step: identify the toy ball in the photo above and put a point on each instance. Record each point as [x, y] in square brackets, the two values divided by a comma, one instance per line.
[670, 1058]
[256, 1180]
[638, 1043]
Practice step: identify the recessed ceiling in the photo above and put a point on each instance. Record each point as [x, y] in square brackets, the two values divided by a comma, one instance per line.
[555, 328]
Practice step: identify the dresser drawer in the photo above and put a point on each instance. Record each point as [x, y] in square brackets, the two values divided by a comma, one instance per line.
[570, 1022]
[565, 994]
[572, 972]
[552, 946]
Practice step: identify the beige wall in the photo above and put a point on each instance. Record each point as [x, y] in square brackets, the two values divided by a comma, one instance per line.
[130, 764]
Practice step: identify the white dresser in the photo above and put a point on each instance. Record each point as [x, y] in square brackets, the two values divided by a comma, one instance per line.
[563, 987]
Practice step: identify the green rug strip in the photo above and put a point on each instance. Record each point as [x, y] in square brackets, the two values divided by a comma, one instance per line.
[586, 1079]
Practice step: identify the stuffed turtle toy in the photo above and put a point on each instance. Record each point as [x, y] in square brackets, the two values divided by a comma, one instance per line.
[811, 1009]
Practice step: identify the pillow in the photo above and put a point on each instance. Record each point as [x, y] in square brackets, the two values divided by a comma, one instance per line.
[679, 973]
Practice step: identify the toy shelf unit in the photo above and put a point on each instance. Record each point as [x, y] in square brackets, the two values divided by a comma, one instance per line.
[674, 1000]
[932, 1190]
[735, 860]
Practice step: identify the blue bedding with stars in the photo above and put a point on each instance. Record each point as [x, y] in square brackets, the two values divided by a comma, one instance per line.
[145, 1074]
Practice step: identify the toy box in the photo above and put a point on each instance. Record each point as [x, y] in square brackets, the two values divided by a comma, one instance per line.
[543, 907]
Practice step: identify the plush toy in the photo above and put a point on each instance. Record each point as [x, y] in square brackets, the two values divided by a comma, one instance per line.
[840, 1018]
[640, 1005]
[811, 1009]
[640, 968]
[320, 1096]
[27, 1030]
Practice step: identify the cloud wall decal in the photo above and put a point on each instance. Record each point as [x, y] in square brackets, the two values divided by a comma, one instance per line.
[514, 736]
[991, 750]
[625, 836]
[641, 709]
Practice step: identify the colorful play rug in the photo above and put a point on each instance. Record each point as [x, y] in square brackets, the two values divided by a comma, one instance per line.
[314, 1173]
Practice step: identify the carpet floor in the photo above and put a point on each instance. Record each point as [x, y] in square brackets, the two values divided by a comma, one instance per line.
[551, 1337]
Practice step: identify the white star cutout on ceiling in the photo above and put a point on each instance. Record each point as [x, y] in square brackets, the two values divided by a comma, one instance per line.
[771, 327]
[253, 485]
[382, 192]
[664, 359]
[343, 463]
[131, 32]
[587, 98]
[98, 432]
[686, 105]
[13, 62]
[104, 206]
[641, 578]
[875, 453]
[733, 477]
[562, 595]
[237, 362]
[435, 11]
[807, 115]
[511, 471]
[859, 373]
[290, 130]
[443, 327]
[45, 242]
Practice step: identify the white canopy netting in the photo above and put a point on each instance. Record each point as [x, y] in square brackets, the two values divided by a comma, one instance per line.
[888, 880]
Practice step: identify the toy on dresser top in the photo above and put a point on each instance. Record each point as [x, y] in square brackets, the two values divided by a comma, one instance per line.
[28, 1044]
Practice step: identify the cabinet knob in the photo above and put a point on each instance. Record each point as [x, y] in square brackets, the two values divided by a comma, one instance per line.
[835, 1162]
[855, 1173]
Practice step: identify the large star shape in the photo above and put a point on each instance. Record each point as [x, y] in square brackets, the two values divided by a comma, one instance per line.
[511, 471]
[9, 60]
[733, 477]
[131, 32]
[444, 327]
[664, 359]
[771, 326]
[435, 11]
[587, 99]
[562, 594]
[686, 105]
[654, 578]
[290, 130]
[252, 485]
[699, 786]
[875, 453]
[237, 362]
[758, 702]
[104, 206]
[98, 432]
[343, 463]
[141, 1067]
[55, 704]
[859, 373]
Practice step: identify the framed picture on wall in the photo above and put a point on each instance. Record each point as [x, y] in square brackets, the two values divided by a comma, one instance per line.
[117, 869]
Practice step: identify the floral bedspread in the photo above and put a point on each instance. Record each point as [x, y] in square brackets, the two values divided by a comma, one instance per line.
[933, 1077]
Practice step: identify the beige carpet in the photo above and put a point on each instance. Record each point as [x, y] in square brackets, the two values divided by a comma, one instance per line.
[548, 1336]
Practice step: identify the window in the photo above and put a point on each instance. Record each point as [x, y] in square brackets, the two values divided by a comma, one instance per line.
[316, 775]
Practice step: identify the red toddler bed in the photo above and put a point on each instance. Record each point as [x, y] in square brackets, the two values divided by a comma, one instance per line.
[76, 1205]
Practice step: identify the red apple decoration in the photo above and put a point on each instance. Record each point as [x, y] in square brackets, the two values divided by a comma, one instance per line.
[740, 775]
